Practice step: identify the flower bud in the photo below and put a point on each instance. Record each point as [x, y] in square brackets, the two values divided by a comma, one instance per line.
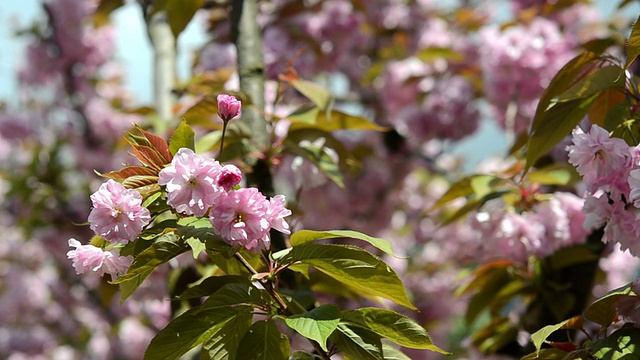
[228, 107]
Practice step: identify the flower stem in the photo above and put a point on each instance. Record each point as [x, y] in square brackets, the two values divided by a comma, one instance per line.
[224, 130]
[268, 285]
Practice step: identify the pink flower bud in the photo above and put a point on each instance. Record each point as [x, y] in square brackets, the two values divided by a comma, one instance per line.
[228, 107]
[229, 177]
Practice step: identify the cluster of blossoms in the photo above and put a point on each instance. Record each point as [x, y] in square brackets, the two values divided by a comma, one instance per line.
[118, 216]
[195, 185]
[611, 172]
[518, 63]
[549, 226]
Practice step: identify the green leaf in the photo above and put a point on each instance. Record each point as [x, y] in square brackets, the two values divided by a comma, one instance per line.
[189, 330]
[316, 324]
[605, 78]
[555, 124]
[603, 310]
[561, 82]
[356, 268]
[183, 137]
[357, 343]
[196, 246]
[195, 229]
[104, 10]
[179, 12]
[435, 53]
[554, 174]
[224, 342]
[633, 44]
[314, 92]
[540, 336]
[546, 354]
[393, 326]
[337, 120]
[211, 285]
[263, 341]
[479, 185]
[391, 353]
[306, 236]
[624, 344]
[165, 248]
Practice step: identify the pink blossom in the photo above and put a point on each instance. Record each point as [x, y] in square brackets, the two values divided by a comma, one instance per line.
[190, 182]
[277, 212]
[598, 211]
[634, 184]
[229, 177]
[519, 236]
[91, 258]
[623, 228]
[228, 107]
[245, 216]
[598, 157]
[118, 214]
[518, 62]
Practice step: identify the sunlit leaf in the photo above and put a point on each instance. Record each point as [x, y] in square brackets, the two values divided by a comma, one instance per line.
[316, 324]
[183, 137]
[307, 236]
[623, 344]
[633, 44]
[314, 92]
[605, 78]
[356, 268]
[357, 343]
[603, 311]
[393, 326]
[539, 337]
[554, 174]
[555, 124]
[562, 81]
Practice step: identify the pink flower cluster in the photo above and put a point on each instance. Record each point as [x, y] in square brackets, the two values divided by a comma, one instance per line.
[197, 185]
[244, 217]
[119, 217]
[551, 225]
[518, 63]
[611, 172]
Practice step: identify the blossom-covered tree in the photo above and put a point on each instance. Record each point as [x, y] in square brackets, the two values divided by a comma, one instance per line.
[296, 197]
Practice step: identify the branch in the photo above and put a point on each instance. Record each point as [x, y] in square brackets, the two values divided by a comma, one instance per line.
[268, 285]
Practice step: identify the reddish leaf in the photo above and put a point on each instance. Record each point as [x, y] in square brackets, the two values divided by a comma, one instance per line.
[124, 173]
[148, 156]
[159, 144]
[603, 105]
[138, 181]
[564, 346]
